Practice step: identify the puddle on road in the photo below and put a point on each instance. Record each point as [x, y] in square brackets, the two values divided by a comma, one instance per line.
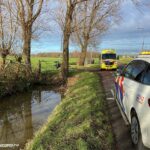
[22, 115]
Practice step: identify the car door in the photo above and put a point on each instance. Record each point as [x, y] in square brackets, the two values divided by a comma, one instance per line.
[132, 84]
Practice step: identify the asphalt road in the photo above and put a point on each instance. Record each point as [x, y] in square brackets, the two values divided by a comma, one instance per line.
[121, 131]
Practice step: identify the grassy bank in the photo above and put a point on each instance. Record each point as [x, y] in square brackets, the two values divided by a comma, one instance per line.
[79, 121]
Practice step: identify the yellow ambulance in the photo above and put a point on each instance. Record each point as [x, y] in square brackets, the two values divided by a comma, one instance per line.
[108, 59]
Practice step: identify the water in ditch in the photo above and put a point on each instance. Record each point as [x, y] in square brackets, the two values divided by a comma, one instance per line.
[23, 114]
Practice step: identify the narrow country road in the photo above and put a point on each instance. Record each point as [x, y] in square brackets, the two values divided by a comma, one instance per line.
[121, 131]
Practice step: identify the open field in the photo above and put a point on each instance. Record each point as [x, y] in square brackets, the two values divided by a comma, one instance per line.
[48, 63]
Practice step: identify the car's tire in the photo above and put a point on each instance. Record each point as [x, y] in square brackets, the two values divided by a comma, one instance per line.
[136, 133]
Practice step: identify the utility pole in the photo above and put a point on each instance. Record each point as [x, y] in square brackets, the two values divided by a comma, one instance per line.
[143, 43]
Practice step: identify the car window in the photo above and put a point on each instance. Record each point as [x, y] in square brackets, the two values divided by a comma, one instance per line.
[135, 69]
[128, 70]
[146, 78]
[138, 70]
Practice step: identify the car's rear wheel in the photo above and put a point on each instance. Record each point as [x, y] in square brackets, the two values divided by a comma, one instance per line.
[136, 132]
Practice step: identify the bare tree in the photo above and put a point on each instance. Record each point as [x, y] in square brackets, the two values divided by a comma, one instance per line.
[28, 11]
[92, 19]
[8, 29]
[71, 5]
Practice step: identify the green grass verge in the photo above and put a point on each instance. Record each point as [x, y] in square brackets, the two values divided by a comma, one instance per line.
[79, 122]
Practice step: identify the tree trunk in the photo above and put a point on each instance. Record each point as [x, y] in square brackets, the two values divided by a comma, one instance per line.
[27, 47]
[67, 33]
[83, 54]
[65, 62]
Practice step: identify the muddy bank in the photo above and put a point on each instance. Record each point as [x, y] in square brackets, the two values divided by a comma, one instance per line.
[12, 87]
[8, 88]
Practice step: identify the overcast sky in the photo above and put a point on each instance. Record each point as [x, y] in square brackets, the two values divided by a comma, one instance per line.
[126, 37]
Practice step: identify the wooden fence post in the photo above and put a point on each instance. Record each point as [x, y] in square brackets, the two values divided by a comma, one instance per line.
[39, 69]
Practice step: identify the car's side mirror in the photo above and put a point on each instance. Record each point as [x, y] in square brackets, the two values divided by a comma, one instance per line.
[118, 72]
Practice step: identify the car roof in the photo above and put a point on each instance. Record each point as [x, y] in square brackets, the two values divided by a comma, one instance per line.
[144, 58]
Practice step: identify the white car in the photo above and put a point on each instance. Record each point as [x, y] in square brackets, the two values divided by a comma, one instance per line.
[132, 88]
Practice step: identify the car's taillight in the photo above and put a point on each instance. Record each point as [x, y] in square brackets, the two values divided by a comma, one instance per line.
[149, 102]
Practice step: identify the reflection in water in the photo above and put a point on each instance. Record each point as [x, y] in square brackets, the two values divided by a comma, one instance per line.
[22, 115]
